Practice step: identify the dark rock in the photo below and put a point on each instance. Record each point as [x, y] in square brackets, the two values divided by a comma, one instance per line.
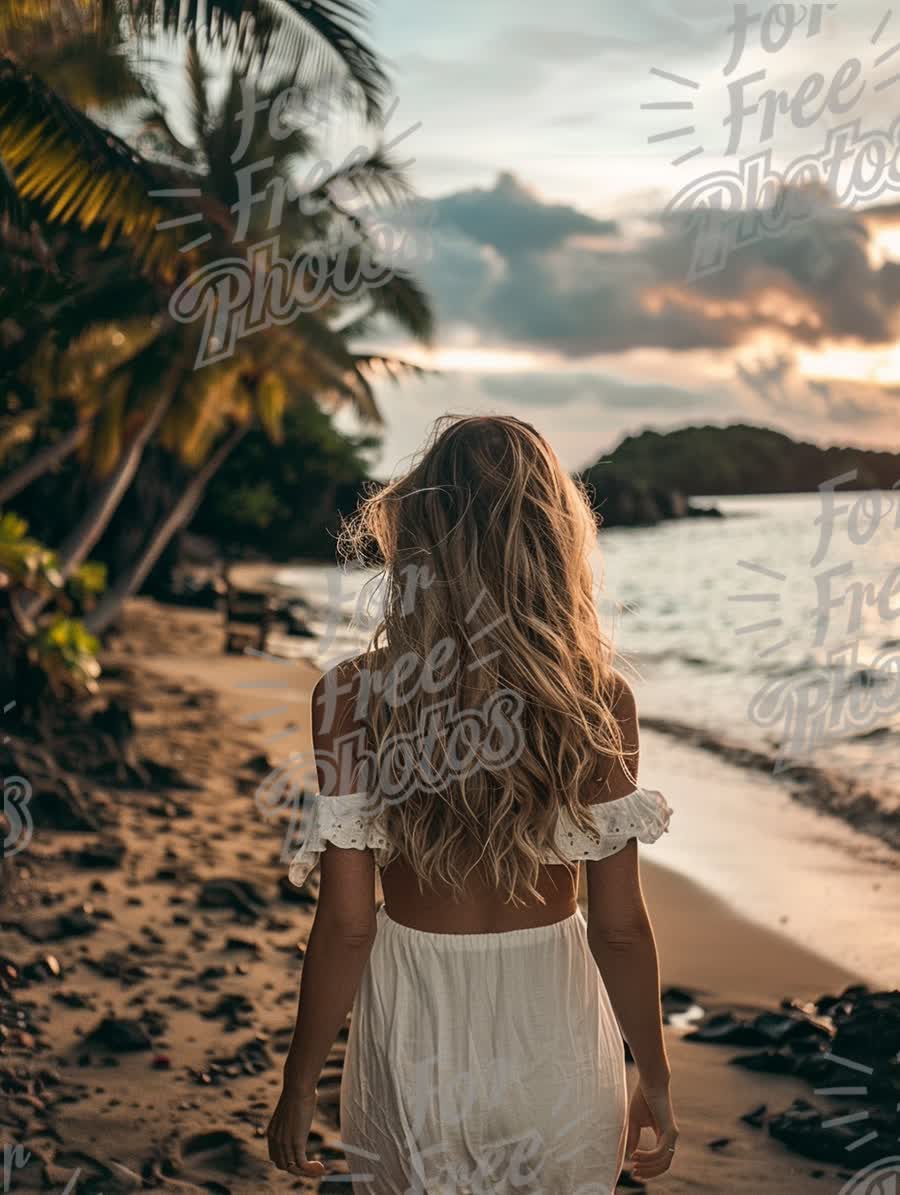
[239, 944]
[212, 974]
[116, 964]
[72, 999]
[75, 923]
[175, 873]
[236, 1010]
[240, 895]
[802, 1128]
[218, 1149]
[119, 1034]
[45, 966]
[259, 764]
[57, 804]
[769, 1062]
[793, 1027]
[725, 1028]
[252, 1058]
[165, 776]
[678, 999]
[756, 1116]
[107, 852]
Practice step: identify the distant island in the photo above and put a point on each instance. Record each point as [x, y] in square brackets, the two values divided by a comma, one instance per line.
[653, 476]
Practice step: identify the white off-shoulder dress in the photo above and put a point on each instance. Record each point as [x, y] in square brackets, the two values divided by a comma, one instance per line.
[483, 1063]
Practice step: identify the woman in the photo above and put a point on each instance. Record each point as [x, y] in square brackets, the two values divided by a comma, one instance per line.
[476, 755]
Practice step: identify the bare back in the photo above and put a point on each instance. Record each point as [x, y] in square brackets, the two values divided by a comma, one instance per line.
[481, 910]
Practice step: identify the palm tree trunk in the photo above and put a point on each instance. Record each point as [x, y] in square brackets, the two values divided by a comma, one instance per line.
[75, 548]
[42, 462]
[107, 609]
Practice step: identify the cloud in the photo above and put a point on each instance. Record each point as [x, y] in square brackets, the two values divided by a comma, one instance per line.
[523, 272]
[604, 390]
[783, 393]
[511, 219]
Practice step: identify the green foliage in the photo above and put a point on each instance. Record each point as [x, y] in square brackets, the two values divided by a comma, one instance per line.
[58, 644]
[23, 561]
[282, 499]
[88, 227]
[67, 654]
[89, 580]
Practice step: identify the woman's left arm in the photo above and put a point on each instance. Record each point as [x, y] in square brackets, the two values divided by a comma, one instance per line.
[336, 955]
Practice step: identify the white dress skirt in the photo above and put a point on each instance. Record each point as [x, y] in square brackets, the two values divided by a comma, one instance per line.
[483, 1064]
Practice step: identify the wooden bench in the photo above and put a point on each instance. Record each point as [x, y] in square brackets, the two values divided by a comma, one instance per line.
[249, 616]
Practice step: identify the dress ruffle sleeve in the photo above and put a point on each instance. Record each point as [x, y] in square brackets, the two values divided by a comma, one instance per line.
[344, 821]
[644, 814]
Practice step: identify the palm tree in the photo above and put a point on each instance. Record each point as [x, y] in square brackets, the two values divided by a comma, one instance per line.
[124, 198]
[256, 400]
[94, 242]
[62, 57]
[315, 358]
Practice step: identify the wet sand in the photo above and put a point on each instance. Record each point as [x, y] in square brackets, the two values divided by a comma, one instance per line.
[194, 940]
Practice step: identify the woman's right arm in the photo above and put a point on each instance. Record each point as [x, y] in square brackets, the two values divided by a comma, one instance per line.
[621, 940]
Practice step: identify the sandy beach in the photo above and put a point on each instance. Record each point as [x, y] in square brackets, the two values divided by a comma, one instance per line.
[155, 964]
[525, 336]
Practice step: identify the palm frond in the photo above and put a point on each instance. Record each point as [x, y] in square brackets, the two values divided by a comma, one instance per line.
[89, 71]
[395, 368]
[271, 403]
[407, 303]
[26, 24]
[310, 37]
[64, 161]
[371, 174]
[206, 401]
[52, 301]
[197, 80]
[334, 368]
[104, 441]
[225, 133]
[12, 206]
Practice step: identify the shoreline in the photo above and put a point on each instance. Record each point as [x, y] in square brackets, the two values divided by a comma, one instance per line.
[775, 861]
[720, 835]
[190, 941]
[706, 944]
[835, 846]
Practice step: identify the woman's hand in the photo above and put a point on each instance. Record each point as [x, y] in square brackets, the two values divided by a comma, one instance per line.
[289, 1129]
[651, 1108]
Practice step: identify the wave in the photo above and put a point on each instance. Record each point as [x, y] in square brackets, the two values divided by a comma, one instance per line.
[824, 790]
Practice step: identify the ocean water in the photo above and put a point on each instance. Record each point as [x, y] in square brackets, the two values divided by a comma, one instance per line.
[774, 631]
[775, 628]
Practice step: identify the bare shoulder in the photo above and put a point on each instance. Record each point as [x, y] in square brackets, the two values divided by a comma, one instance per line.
[339, 724]
[624, 708]
[341, 688]
[618, 776]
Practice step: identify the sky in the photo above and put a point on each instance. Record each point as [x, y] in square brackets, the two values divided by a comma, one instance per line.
[584, 246]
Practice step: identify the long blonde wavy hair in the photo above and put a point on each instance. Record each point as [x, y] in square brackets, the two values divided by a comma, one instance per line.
[489, 636]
